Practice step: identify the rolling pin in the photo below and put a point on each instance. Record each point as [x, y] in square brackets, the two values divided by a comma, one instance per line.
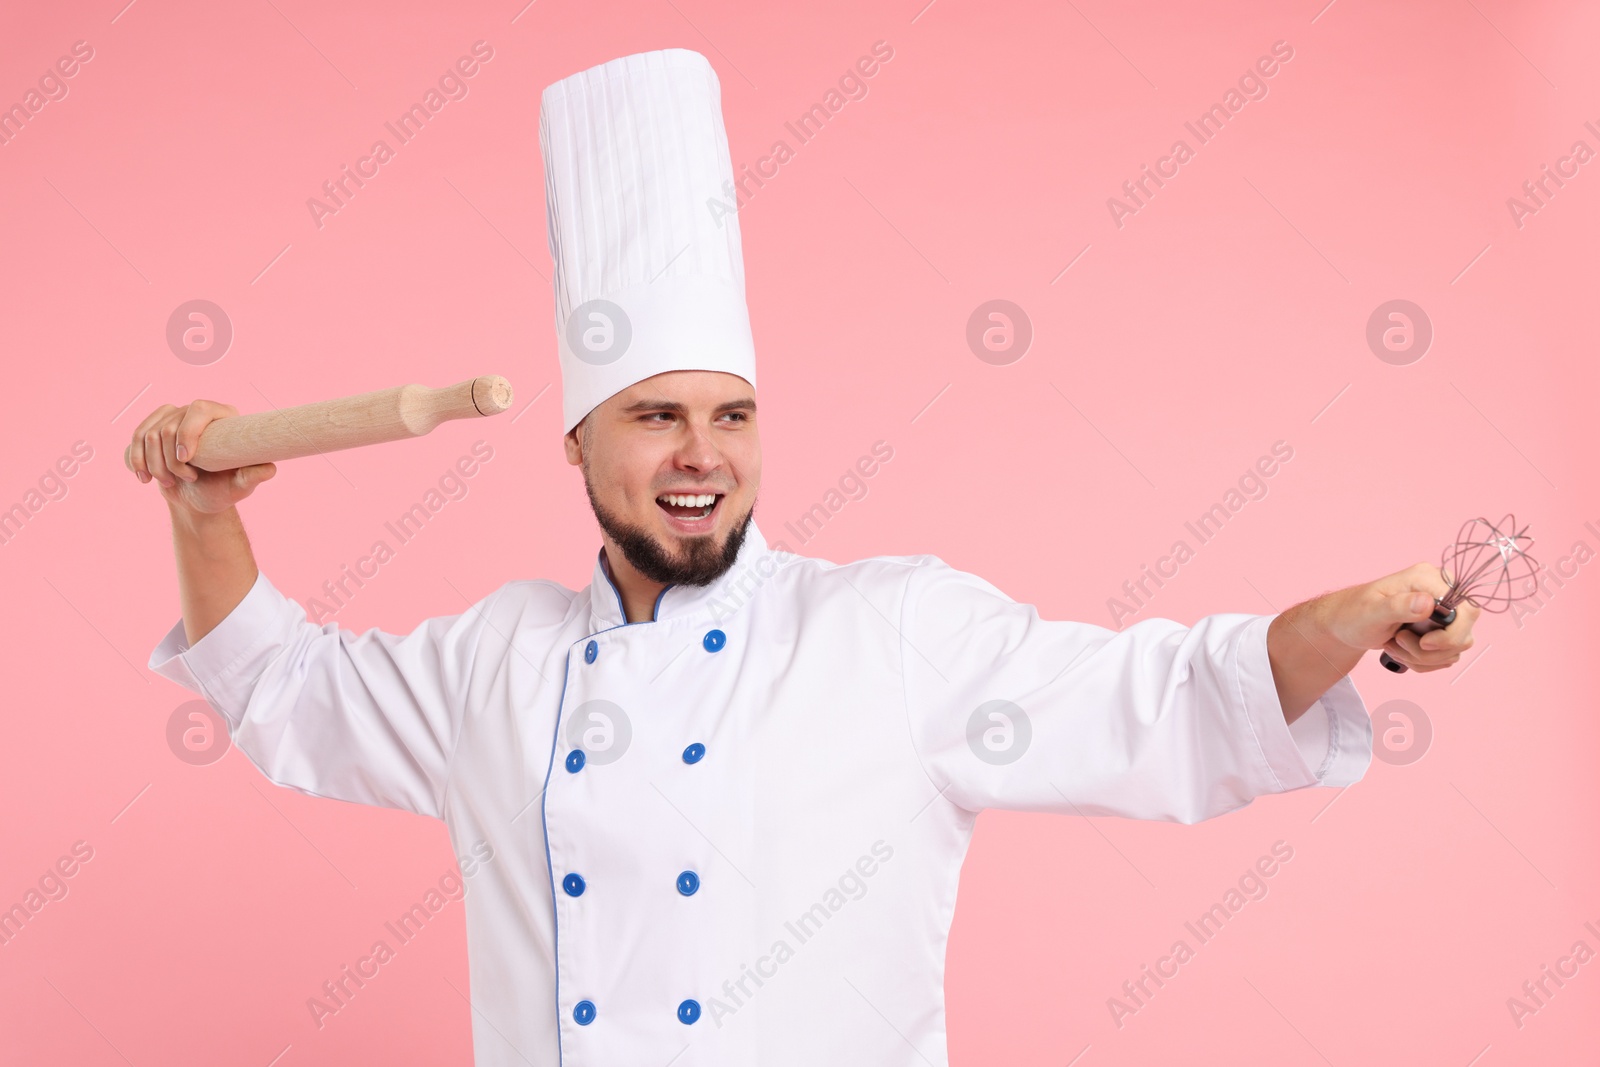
[345, 422]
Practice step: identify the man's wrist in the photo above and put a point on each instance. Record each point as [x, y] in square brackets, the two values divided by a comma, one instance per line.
[1305, 653]
[1322, 627]
[201, 521]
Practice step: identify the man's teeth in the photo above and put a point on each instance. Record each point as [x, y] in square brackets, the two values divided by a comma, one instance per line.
[681, 501]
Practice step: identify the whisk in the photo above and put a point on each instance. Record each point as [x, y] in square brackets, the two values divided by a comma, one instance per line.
[1485, 566]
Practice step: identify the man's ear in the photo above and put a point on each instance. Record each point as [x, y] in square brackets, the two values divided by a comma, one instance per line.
[572, 443]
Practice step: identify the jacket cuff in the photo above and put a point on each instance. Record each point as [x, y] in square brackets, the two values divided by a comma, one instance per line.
[263, 619]
[1330, 744]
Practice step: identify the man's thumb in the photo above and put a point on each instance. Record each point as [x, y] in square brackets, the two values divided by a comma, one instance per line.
[1411, 606]
[253, 475]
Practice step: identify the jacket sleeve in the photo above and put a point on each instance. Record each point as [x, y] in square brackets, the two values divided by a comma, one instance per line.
[370, 718]
[1156, 721]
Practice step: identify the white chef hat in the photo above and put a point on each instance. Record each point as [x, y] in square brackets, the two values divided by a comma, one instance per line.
[648, 277]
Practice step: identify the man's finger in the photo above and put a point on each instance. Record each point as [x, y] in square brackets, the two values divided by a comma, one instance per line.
[1458, 635]
[1404, 655]
[1417, 656]
[1412, 644]
[137, 461]
[1420, 664]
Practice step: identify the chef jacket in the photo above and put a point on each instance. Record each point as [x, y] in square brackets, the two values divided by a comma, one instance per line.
[731, 835]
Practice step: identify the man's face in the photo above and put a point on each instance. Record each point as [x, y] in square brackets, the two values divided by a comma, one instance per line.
[682, 434]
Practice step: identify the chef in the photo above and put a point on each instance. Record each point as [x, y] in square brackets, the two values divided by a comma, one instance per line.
[728, 789]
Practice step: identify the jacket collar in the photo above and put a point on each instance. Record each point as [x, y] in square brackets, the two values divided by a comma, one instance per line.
[716, 601]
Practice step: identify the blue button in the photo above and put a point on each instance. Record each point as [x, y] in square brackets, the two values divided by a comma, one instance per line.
[583, 1012]
[688, 882]
[573, 884]
[693, 753]
[575, 760]
[688, 1011]
[590, 651]
[714, 640]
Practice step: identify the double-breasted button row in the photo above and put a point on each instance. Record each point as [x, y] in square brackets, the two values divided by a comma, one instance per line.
[583, 1012]
[713, 641]
[688, 882]
[573, 884]
[576, 759]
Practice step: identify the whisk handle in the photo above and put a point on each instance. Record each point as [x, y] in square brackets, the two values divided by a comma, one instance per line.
[1437, 621]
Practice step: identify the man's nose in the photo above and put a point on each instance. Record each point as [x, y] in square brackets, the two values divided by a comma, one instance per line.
[698, 450]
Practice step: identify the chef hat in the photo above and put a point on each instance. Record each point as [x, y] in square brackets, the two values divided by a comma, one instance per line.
[648, 276]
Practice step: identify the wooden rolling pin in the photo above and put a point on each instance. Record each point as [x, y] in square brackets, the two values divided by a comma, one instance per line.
[346, 422]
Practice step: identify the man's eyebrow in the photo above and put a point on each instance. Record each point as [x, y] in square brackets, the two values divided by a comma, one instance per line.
[660, 404]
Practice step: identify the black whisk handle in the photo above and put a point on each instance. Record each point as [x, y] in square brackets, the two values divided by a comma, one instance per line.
[1437, 621]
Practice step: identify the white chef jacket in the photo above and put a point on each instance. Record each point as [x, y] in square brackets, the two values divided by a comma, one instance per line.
[732, 835]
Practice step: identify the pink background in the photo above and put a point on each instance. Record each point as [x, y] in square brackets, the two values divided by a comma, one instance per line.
[1227, 314]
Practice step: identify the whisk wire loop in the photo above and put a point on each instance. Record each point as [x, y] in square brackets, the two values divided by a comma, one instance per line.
[1487, 564]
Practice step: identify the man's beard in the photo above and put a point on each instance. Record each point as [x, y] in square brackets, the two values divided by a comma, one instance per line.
[703, 564]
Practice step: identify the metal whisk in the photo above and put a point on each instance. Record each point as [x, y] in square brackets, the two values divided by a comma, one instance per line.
[1485, 566]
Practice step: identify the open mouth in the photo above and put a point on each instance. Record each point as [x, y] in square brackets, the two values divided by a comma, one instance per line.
[689, 507]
